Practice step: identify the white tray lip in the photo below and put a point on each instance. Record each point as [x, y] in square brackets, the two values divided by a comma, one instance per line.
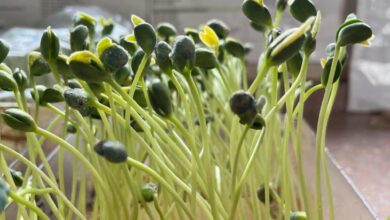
[350, 182]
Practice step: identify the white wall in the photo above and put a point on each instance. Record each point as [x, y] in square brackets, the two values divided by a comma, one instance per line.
[370, 77]
[124, 7]
[19, 12]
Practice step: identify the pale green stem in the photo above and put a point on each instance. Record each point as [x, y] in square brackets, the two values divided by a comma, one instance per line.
[263, 69]
[324, 159]
[207, 152]
[293, 37]
[137, 77]
[237, 191]
[76, 153]
[35, 191]
[36, 99]
[137, 109]
[162, 181]
[138, 74]
[146, 128]
[35, 149]
[9, 179]
[278, 18]
[320, 127]
[279, 104]
[307, 94]
[225, 80]
[195, 160]
[75, 171]
[55, 72]
[244, 74]
[285, 152]
[32, 207]
[236, 159]
[157, 206]
[34, 168]
[300, 109]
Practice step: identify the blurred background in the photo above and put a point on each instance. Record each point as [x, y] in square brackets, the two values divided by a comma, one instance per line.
[359, 130]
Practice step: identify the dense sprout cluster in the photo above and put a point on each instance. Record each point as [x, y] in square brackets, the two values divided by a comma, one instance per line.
[170, 120]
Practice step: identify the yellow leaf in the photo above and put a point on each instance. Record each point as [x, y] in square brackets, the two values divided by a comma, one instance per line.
[152, 61]
[209, 37]
[130, 38]
[367, 43]
[89, 18]
[136, 20]
[323, 62]
[102, 22]
[103, 45]
[85, 56]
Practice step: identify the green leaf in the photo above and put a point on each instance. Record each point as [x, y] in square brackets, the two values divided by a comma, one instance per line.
[139, 97]
[146, 37]
[258, 14]
[37, 64]
[4, 50]
[129, 45]
[192, 33]
[5, 68]
[288, 51]
[136, 61]
[183, 54]
[87, 66]
[50, 45]
[114, 58]
[220, 28]
[205, 58]
[354, 33]
[4, 190]
[235, 48]
[302, 9]
[258, 123]
[51, 95]
[123, 76]
[62, 67]
[17, 177]
[7, 82]
[79, 38]
[19, 120]
[160, 98]
[87, 20]
[294, 64]
[166, 30]
[162, 52]
[21, 79]
[113, 151]
[326, 72]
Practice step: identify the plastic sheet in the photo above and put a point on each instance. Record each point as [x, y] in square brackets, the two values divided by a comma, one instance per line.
[25, 40]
